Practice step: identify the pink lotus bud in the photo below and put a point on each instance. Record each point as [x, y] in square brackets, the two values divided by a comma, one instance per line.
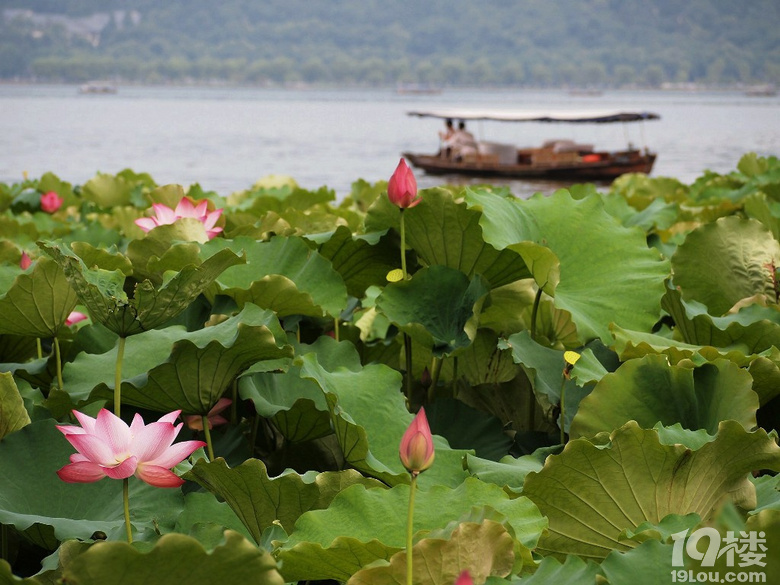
[416, 449]
[51, 202]
[74, 318]
[464, 579]
[25, 262]
[402, 187]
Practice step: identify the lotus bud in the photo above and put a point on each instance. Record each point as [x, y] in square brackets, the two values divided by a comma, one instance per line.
[416, 450]
[25, 262]
[402, 187]
[51, 202]
[464, 579]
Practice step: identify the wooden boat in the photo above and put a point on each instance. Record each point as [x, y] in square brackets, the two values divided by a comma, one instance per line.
[555, 159]
[98, 87]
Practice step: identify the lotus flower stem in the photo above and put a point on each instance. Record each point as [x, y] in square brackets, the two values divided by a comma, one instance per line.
[563, 411]
[408, 354]
[207, 433]
[410, 530]
[38, 345]
[58, 358]
[534, 312]
[120, 352]
[126, 500]
[435, 372]
[403, 246]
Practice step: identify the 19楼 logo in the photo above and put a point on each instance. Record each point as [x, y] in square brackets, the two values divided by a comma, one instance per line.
[747, 548]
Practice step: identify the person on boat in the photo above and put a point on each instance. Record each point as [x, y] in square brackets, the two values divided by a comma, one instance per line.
[463, 143]
[445, 138]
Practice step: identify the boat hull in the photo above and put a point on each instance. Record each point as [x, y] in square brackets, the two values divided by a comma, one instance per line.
[609, 167]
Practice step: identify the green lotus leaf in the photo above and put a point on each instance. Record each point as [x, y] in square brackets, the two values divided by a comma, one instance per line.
[13, 415]
[284, 275]
[7, 576]
[591, 493]
[483, 362]
[446, 233]
[176, 558]
[484, 549]
[649, 390]
[297, 405]
[369, 417]
[202, 508]
[664, 530]
[765, 372]
[572, 570]
[753, 328]
[259, 501]
[509, 472]
[365, 525]
[722, 263]
[760, 207]
[437, 307]
[102, 290]
[467, 428]
[676, 435]
[38, 302]
[635, 344]
[108, 191]
[647, 564]
[360, 262]
[544, 368]
[32, 493]
[608, 274]
[657, 215]
[170, 369]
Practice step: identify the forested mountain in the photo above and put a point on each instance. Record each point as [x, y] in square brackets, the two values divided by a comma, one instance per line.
[386, 42]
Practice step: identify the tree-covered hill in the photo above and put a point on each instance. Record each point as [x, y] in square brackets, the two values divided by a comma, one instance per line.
[376, 42]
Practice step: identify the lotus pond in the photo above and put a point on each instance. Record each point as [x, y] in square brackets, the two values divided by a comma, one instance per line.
[600, 370]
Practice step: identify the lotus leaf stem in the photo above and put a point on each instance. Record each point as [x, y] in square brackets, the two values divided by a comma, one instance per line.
[408, 354]
[120, 352]
[126, 499]
[4, 542]
[336, 329]
[410, 529]
[207, 432]
[435, 372]
[38, 346]
[534, 312]
[563, 411]
[58, 358]
[234, 404]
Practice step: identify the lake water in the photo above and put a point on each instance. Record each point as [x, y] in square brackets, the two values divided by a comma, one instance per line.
[227, 138]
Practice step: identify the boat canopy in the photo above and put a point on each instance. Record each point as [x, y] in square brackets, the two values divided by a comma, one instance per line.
[575, 117]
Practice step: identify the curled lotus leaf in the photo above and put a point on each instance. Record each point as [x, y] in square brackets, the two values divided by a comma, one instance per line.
[38, 302]
[284, 275]
[721, 263]
[171, 369]
[592, 493]
[103, 291]
[607, 272]
[649, 390]
[446, 233]
[13, 415]
[175, 557]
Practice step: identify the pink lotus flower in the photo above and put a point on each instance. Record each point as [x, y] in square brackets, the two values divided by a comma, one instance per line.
[195, 422]
[402, 187]
[108, 447]
[74, 318]
[164, 215]
[51, 202]
[25, 262]
[416, 449]
[464, 579]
